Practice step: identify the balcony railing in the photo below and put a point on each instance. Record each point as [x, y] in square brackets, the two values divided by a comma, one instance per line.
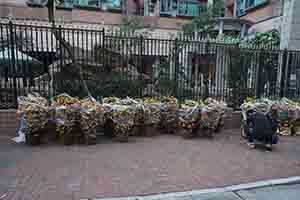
[87, 3]
[103, 4]
[189, 8]
[244, 5]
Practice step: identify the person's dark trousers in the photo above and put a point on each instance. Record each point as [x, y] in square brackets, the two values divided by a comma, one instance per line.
[261, 128]
[275, 125]
[250, 134]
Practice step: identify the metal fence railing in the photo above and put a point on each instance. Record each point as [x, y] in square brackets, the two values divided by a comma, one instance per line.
[51, 60]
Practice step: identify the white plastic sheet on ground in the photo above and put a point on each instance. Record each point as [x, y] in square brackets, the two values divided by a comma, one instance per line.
[21, 135]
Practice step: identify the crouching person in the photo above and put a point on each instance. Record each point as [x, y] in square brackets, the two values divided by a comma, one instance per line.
[262, 128]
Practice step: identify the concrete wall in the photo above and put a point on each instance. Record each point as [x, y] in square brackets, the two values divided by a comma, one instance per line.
[290, 34]
[265, 18]
[268, 25]
[229, 8]
[265, 12]
[13, 2]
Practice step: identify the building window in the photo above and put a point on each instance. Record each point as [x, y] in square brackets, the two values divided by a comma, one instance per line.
[180, 7]
[149, 7]
[104, 4]
[150, 4]
[168, 7]
[64, 3]
[112, 4]
[189, 8]
[38, 3]
[244, 5]
[87, 3]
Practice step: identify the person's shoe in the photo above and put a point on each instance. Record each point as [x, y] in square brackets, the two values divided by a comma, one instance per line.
[251, 145]
[269, 147]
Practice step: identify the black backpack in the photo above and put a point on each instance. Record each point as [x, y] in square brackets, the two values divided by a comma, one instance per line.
[261, 126]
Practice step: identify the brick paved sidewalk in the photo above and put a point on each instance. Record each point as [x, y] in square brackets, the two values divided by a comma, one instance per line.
[143, 166]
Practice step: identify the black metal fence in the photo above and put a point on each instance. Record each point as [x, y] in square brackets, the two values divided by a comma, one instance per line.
[51, 60]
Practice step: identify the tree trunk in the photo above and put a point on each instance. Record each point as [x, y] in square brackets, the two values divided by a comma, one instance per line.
[63, 43]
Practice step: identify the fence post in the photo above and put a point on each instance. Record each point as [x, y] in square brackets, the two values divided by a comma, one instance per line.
[13, 61]
[206, 74]
[176, 65]
[103, 50]
[141, 64]
[283, 74]
[258, 74]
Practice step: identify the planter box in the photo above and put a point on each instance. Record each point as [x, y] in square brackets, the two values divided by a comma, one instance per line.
[151, 130]
[33, 139]
[108, 128]
[90, 139]
[186, 133]
[66, 139]
[124, 137]
[138, 130]
[205, 132]
[169, 128]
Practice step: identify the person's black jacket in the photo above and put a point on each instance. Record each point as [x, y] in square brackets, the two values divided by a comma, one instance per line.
[263, 127]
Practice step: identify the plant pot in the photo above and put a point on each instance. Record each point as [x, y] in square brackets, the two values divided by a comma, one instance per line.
[205, 132]
[186, 133]
[169, 128]
[48, 133]
[77, 134]
[217, 129]
[219, 125]
[150, 131]
[33, 139]
[124, 137]
[66, 139]
[138, 130]
[108, 128]
[285, 131]
[78, 138]
[91, 139]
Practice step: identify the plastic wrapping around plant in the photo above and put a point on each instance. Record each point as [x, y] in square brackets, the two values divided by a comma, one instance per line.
[188, 118]
[34, 98]
[34, 110]
[139, 115]
[90, 112]
[152, 107]
[111, 100]
[188, 114]
[122, 117]
[137, 107]
[66, 115]
[296, 128]
[21, 132]
[288, 115]
[287, 110]
[260, 105]
[169, 113]
[212, 114]
[152, 116]
[169, 109]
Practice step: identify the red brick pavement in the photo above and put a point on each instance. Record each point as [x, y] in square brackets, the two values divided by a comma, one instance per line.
[143, 166]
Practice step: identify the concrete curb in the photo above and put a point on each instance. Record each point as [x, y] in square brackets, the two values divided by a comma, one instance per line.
[234, 188]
